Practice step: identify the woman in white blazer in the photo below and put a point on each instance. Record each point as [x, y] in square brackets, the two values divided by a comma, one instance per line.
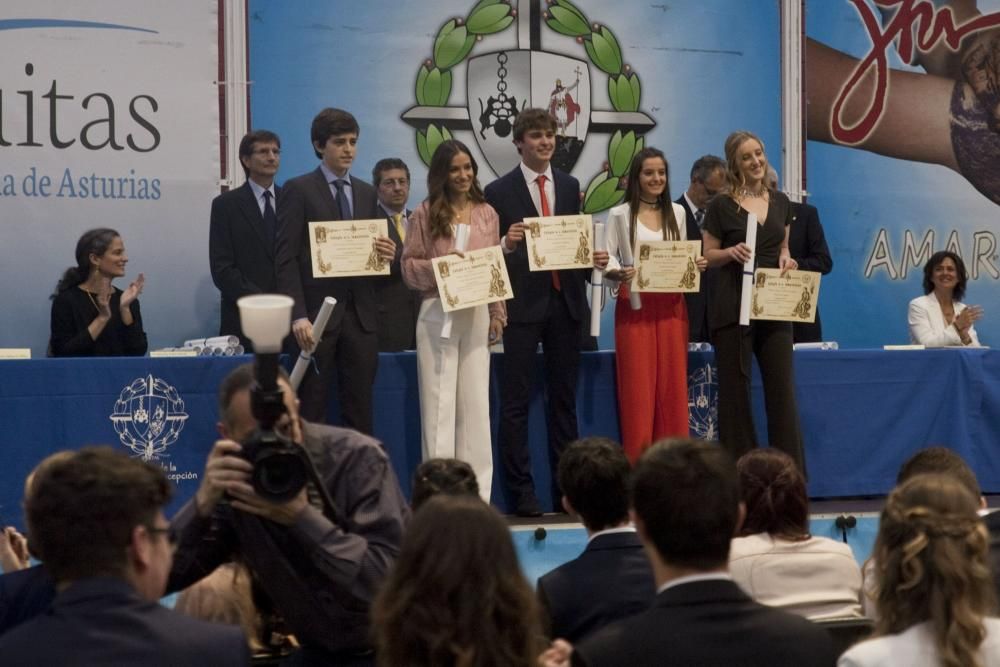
[935, 592]
[939, 318]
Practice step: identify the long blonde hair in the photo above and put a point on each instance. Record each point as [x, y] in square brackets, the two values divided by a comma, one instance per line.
[932, 566]
[734, 176]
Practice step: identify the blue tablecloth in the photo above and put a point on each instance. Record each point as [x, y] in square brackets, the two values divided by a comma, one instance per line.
[862, 411]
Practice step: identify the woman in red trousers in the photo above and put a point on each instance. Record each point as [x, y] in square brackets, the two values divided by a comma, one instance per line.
[650, 343]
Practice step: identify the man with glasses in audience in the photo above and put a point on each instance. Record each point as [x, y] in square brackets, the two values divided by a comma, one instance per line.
[96, 520]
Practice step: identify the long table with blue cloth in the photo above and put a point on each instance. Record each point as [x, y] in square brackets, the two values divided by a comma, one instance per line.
[863, 412]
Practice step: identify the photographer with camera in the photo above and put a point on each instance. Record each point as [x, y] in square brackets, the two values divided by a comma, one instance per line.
[317, 516]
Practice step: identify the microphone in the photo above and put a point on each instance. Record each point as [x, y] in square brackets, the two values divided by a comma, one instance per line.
[540, 534]
[843, 523]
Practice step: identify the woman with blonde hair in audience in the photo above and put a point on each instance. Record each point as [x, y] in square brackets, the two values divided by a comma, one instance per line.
[775, 559]
[935, 592]
[224, 597]
[456, 596]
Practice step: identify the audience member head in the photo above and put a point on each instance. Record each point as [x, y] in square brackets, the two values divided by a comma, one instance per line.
[593, 476]
[29, 481]
[931, 565]
[260, 154]
[961, 275]
[99, 513]
[442, 476]
[236, 420]
[649, 181]
[456, 595]
[739, 144]
[223, 597]
[452, 182]
[943, 461]
[774, 492]
[686, 500]
[90, 248]
[391, 178]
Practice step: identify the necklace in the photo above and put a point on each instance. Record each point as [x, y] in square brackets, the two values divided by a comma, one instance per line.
[91, 297]
[747, 193]
[654, 203]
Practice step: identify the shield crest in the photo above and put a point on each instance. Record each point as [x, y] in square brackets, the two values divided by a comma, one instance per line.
[501, 84]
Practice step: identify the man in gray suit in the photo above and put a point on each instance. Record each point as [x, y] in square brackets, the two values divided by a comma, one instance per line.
[350, 342]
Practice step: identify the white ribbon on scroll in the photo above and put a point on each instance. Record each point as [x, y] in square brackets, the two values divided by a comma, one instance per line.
[461, 241]
[302, 363]
[625, 249]
[746, 294]
[597, 281]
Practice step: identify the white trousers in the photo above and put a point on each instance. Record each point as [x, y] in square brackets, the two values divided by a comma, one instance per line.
[454, 379]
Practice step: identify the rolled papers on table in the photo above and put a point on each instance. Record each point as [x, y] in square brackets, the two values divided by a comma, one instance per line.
[825, 345]
[625, 248]
[746, 293]
[302, 363]
[597, 282]
[461, 241]
[215, 341]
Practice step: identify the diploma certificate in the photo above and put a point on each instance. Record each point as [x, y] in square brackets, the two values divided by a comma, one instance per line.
[342, 248]
[791, 298]
[559, 242]
[479, 277]
[667, 266]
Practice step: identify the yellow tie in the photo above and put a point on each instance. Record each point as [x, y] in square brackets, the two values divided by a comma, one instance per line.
[398, 220]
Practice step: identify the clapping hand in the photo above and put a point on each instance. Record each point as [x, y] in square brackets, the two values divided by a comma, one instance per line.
[132, 292]
[968, 317]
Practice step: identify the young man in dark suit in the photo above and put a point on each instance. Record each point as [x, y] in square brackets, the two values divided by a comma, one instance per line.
[612, 578]
[243, 227]
[96, 518]
[708, 178]
[686, 507]
[548, 307]
[350, 342]
[398, 305]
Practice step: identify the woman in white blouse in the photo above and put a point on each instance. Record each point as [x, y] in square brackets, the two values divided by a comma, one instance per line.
[935, 592]
[650, 343]
[939, 319]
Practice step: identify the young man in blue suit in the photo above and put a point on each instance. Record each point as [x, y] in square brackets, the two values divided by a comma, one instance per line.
[349, 345]
[96, 519]
[547, 308]
[686, 507]
[242, 231]
[612, 578]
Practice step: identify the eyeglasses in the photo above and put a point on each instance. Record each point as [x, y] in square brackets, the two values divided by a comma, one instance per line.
[393, 182]
[267, 151]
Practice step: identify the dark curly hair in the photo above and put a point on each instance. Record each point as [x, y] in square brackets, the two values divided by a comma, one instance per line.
[774, 492]
[436, 476]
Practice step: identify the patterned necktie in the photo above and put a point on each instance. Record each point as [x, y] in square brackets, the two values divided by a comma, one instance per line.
[699, 215]
[397, 218]
[270, 219]
[544, 201]
[342, 201]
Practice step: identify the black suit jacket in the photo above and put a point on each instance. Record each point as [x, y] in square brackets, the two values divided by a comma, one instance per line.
[510, 196]
[24, 594]
[696, 302]
[708, 623]
[240, 254]
[102, 621]
[398, 305]
[306, 199]
[807, 244]
[610, 580]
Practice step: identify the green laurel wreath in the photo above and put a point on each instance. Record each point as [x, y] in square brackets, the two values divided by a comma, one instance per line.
[454, 42]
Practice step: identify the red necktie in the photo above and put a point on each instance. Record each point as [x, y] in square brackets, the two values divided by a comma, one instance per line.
[544, 201]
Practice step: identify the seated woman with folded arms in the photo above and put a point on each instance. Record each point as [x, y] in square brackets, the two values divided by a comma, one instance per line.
[775, 559]
[939, 318]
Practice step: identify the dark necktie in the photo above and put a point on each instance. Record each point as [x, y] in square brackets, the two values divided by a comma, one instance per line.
[342, 201]
[543, 199]
[699, 215]
[270, 219]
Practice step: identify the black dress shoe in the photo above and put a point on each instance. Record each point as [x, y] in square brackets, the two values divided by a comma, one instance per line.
[528, 508]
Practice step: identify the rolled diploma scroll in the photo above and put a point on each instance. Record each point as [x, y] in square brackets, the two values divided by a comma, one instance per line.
[746, 294]
[597, 281]
[318, 327]
[625, 249]
[216, 341]
[461, 241]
